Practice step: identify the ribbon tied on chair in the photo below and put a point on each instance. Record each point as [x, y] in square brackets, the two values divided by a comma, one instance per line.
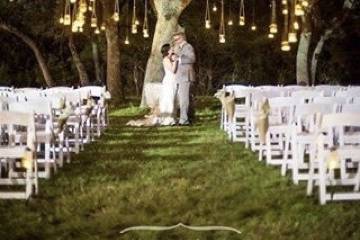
[262, 122]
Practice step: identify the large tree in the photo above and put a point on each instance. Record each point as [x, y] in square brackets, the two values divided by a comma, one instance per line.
[167, 13]
[37, 52]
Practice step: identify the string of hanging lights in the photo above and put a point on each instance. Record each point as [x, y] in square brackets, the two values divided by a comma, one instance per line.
[230, 20]
[273, 29]
[146, 21]
[285, 46]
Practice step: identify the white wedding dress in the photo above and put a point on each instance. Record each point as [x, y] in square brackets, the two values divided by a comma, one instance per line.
[167, 99]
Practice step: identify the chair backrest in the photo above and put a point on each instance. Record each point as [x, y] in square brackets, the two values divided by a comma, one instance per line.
[94, 91]
[330, 100]
[39, 107]
[21, 119]
[349, 93]
[356, 100]
[307, 95]
[350, 108]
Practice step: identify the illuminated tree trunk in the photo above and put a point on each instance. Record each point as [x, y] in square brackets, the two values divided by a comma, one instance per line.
[302, 57]
[348, 5]
[38, 55]
[95, 53]
[168, 13]
[83, 76]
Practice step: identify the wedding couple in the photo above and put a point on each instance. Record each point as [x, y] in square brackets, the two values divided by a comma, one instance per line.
[178, 61]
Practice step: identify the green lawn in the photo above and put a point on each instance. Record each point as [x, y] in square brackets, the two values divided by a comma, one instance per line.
[162, 176]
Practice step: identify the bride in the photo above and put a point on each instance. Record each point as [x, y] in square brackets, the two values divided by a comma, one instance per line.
[168, 88]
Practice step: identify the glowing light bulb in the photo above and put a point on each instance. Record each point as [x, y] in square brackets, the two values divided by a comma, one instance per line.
[61, 20]
[103, 27]
[253, 27]
[145, 33]
[305, 3]
[207, 24]
[116, 17]
[72, 1]
[214, 8]
[222, 38]
[230, 22]
[285, 47]
[97, 31]
[299, 11]
[292, 37]
[127, 42]
[270, 35]
[273, 28]
[94, 22]
[285, 11]
[134, 29]
[67, 20]
[296, 26]
[242, 21]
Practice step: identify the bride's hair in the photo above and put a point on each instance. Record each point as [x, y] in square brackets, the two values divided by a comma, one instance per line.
[165, 49]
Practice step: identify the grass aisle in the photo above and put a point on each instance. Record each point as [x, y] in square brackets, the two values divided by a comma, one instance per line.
[163, 176]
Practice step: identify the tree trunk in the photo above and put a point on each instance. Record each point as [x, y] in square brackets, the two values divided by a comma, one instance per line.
[302, 73]
[38, 55]
[95, 53]
[348, 5]
[168, 13]
[113, 77]
[316, 54]
[83, 76]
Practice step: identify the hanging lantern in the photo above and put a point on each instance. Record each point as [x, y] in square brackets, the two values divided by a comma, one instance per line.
[127, 42]
[103, 27]
[97, 31]
[72, 1]
[292, 37]
[292, 32]
[285, 46]
[222, 24]
[230, 21]
[253, 25]
[273, 26]
[305, 3]
[61, 20]
[214, 8]
[116, 15]
[94, 21]
[67, 14]
[134, 20]
[242, 14]
[271, 35]
[83, 6]
[284, 38]
[296, 25]
[285, 9]
[207, 16]
[299, 11]
[146, 24]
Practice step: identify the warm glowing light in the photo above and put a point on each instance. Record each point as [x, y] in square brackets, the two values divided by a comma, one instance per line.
[242, 21]
[292, 37]
[285, 11]
[285, 46]
[94, 22]
[296, 26]
[253, 28]
[270, 35]
[214, 8]
[97, 31]
[207, 24]
[61, 20]
[273, 28]
[222, 38]
[230, 23]
[73, 1]
[299, 11]
[305, 3]
[127, 42]
[67, 20]
[145, 33]
[134, 29]
[116, 17]
[103, 27]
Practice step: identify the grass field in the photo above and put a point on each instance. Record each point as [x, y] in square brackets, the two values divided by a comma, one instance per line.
[163, 176]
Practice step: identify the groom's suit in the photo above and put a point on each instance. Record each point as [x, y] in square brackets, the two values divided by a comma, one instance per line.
[184, 76]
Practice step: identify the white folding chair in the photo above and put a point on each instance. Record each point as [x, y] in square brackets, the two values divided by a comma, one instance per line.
[12, 153]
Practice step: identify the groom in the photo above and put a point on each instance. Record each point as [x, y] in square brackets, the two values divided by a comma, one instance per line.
[185, 74]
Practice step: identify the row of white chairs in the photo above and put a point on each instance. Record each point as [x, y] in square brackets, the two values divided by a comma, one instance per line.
[60, 121]
[305, 129]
